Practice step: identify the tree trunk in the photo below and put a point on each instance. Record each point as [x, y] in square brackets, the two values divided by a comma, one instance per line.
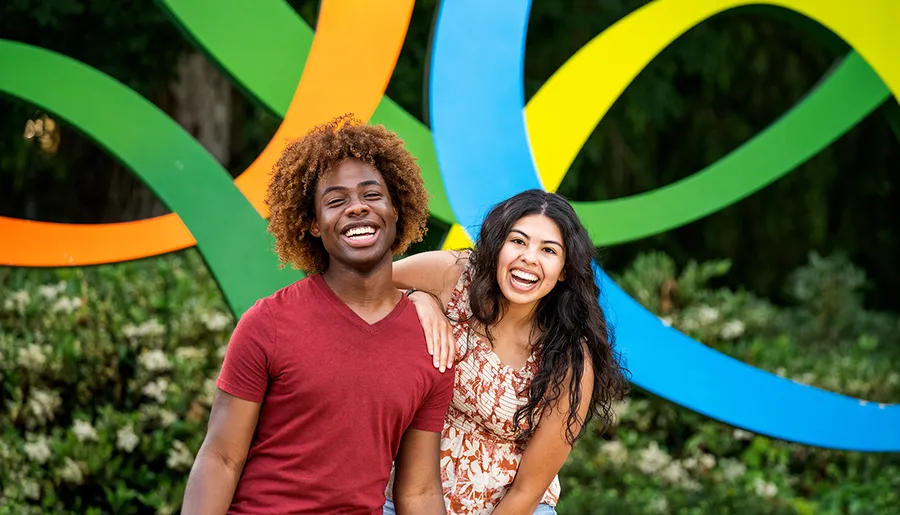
[200, 100]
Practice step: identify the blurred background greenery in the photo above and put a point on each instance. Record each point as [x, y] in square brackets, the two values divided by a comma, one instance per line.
[106, 371]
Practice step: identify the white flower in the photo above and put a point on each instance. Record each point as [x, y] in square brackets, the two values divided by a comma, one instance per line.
[732, 330]
[808, 378]
[84, 431]
[478, 478]
[167, 418]
[674, 473]
[621, 408]
[666, 321]
[740, 434]
[659, 505]
[764, 488]
[51, 291]
[156, 389]
[708, 315]
[708, 461]
[31, 489]
[616, 451]
[690, 484]
[43, 405]
[71, 472]
[38, 450]
[67, 305]
[653, 459]
[165, 509]
[188, 353]
[732, 469]
[126, 439]
[208, 395]
[780, 372]
[215, 322]
[180, 457]
[151, 327]
[17, 301]
[32, 357]
[154, 360]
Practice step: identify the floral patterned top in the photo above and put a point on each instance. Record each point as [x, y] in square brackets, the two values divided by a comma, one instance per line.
[479, 456]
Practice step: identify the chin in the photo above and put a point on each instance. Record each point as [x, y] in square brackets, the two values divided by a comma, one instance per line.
[366, 258]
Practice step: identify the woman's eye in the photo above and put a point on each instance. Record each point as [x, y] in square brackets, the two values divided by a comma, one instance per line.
[550, 250]
[373, 196]
[518, 241]
[333, 202]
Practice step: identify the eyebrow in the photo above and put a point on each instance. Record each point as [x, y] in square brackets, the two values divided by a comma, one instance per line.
[370, 182]
[554, 242]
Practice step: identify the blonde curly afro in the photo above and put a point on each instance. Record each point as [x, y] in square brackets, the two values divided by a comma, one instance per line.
[292, 190]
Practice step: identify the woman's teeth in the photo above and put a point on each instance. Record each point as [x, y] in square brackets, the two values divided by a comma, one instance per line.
[524, 276]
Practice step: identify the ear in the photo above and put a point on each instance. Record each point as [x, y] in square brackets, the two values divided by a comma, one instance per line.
[314, 229]
[562, 275]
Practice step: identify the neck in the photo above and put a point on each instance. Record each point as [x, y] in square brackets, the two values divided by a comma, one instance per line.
[517, 319]
[357, 286]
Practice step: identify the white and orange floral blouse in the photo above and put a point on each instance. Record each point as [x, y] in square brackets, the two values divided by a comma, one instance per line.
[479, 456]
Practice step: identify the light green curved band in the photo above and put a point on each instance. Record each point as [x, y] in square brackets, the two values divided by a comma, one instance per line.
[846, 96]
[166, 158]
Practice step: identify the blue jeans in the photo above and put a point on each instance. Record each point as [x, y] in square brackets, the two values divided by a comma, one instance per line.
[542, 509]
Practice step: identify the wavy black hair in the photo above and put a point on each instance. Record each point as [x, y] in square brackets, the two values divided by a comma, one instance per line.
[568, 322]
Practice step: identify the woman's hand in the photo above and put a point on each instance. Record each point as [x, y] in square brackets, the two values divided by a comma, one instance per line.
[438, 332]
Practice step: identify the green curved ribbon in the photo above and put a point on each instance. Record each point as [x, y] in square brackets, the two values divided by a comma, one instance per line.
[264, 44]
[846, 96]
[164, 156]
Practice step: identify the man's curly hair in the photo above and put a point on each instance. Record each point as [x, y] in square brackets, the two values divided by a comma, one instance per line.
[291, 194]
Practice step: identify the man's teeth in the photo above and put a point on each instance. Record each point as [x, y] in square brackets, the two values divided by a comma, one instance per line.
[360, 231]
[525, 276]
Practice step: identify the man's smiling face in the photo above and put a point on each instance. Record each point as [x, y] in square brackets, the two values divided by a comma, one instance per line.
[355, 218]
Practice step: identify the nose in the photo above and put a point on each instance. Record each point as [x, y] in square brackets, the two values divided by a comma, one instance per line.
[529, 254]
[357, 208]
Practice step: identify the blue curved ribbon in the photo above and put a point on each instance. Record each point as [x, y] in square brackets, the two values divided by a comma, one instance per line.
[476, 102]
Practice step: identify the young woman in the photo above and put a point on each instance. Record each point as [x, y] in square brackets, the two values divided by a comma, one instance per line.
[534, 356]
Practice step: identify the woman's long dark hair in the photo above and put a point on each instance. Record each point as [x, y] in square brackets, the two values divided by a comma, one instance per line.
[568, 320]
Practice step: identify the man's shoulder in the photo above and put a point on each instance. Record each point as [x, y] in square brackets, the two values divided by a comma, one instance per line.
[287, 297]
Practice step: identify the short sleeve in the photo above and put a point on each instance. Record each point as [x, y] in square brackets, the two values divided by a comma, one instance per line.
[249, 356]
[430, 416]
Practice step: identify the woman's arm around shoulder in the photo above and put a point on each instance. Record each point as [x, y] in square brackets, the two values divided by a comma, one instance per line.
[435, 272]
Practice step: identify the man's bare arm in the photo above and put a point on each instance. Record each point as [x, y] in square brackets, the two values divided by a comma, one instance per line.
[417, 474]
[221, 458]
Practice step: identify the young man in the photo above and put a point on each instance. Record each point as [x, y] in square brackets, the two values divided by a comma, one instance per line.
[326, 381]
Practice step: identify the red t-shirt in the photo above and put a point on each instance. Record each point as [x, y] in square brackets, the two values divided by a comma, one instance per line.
[337, 395]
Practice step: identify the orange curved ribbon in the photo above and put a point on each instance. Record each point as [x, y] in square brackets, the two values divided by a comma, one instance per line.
[350, 63]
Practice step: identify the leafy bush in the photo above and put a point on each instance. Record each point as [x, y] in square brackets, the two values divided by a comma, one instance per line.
[666, 459]
[107, 375]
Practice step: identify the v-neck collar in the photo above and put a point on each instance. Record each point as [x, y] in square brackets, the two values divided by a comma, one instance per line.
[351, 315]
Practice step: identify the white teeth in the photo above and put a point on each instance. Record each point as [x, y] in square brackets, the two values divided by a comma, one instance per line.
[359, 231]
[525, 276]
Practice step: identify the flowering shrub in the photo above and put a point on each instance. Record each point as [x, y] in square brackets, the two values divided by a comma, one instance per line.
[107, 377]
[666, 459]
